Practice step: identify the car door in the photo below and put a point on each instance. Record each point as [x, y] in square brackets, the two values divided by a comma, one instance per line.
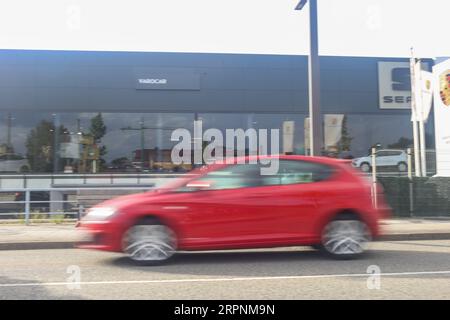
[218, 214]
[242, 207]
[14, 162]
[395, 158]
[382, 159]
[293, 204]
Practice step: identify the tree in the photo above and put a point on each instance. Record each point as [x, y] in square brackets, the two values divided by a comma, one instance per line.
[402, 143]
[346, 140]
[98, 128]
[98, 131]
[40, 146]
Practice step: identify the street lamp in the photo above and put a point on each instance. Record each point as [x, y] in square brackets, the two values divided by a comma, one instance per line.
[315, 116]
[301, 4]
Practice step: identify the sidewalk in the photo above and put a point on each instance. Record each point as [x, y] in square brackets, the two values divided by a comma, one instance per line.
[51, 236]
[415, 229]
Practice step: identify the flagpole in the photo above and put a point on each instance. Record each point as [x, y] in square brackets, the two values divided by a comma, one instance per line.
[414, 116]
[423, 154]
[420, 108]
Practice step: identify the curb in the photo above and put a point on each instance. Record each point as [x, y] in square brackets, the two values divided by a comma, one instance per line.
[46, 245]
[415, 236]
[37, 245]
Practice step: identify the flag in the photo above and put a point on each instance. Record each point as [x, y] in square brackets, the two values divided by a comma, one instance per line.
[423, 93]
[426, 94]
[333, 130]
[288, 136]
[415, 69]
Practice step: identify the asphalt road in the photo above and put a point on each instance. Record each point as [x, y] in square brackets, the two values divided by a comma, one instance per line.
[409, 270]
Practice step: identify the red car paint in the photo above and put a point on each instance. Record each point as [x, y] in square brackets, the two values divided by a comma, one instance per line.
[250, 217]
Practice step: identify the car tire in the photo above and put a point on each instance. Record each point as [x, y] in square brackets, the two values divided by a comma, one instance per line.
[149, 243]
[345, 237]
[402, 167]
[365, 167]
[317, 247]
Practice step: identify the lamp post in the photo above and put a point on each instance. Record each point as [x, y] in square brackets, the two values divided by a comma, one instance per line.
[315, 116]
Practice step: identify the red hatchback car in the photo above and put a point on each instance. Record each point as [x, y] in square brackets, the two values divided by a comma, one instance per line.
[320, 202]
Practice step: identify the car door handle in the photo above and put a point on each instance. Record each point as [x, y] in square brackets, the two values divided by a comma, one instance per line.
[176, 208]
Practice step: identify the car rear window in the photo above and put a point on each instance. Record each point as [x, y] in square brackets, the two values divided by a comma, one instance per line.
[297, 172]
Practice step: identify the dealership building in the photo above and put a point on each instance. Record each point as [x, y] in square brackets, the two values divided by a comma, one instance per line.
[50, 103]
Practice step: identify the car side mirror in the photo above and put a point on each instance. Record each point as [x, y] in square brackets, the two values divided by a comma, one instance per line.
[199, 185]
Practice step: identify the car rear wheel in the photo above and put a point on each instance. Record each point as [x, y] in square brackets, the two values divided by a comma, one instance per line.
[402, 167]
[149, 243]
[345, 237]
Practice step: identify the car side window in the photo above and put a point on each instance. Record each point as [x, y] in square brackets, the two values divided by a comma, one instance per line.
[382, 154]
[249, 175]
[15, 157]
[298, 172]
[235, 177]
[231, 177]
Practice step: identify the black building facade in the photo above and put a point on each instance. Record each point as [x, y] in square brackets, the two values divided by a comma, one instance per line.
[50, 103]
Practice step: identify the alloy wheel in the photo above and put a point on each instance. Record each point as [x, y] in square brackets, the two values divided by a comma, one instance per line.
[345, 237]
[150, 243]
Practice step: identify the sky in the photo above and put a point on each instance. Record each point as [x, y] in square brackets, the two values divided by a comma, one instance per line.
[387, 28]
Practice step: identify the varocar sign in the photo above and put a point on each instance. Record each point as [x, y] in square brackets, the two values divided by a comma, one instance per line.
[166, 79]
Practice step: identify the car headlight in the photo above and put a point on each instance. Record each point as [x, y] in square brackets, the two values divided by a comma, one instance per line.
[100, 213]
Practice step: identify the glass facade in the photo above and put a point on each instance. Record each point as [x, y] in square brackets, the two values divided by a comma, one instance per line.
[141, 142]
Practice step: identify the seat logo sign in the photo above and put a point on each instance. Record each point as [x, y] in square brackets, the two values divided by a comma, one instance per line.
[444, 87]
[394, 82]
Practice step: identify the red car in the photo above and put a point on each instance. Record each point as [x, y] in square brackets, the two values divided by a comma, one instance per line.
[320, 202]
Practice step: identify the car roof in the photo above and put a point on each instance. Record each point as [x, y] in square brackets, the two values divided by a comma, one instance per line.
[247, 159]
[396, 150]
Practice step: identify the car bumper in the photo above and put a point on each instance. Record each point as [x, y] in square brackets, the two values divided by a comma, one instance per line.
[99, 235]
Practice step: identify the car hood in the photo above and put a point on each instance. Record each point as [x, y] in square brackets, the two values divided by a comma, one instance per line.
[361, 159]
[123, 201]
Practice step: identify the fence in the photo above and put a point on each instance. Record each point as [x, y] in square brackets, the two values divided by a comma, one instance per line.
[70, 208]
[58, 196]
[417, 196]
[68, 196]
[410, 196]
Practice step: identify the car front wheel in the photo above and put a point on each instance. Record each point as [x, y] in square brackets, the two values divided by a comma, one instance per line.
[365, 167]
[149, 243]
[345, 237]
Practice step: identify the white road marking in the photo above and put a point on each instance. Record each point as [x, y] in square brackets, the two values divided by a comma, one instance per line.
[350, 275]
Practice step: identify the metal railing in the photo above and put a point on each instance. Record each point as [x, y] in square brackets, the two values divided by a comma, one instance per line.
[8, 181]
[66, 185]
[27, 202]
